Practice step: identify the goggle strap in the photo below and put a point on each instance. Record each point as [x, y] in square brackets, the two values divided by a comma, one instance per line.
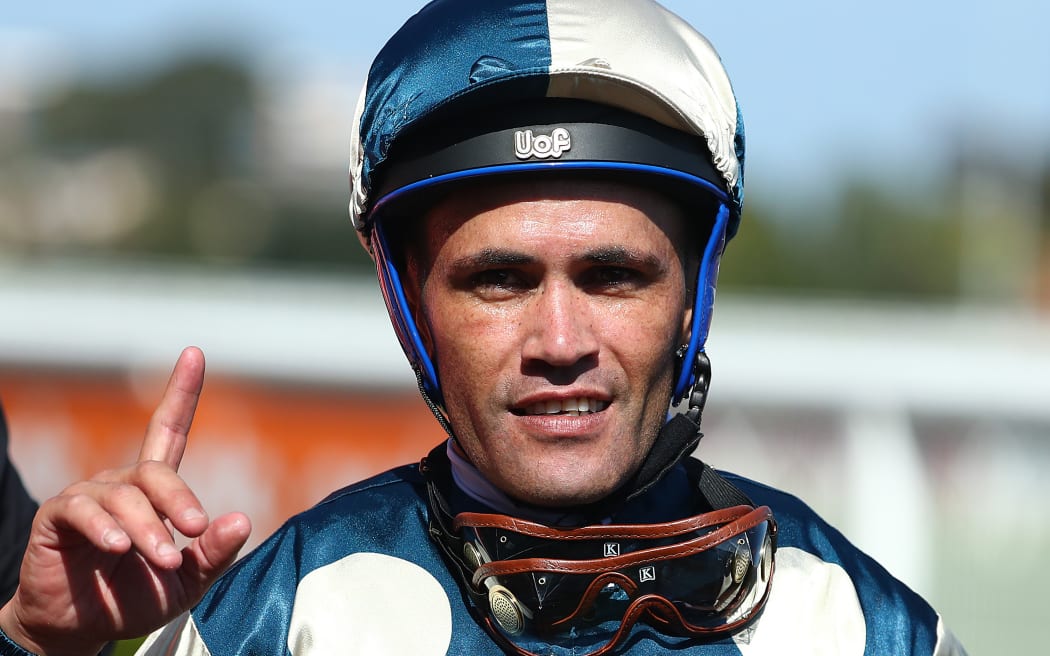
[439, 525]
[745, 520]
[617, 532]
[716, 490]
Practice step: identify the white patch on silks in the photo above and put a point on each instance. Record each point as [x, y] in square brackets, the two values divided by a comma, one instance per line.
[812, 609]
[947, 643]
[368, 604]
[177, 638]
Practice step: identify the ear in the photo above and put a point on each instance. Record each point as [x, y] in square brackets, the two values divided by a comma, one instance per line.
[414, 279]
[687, 320]
[691, 266]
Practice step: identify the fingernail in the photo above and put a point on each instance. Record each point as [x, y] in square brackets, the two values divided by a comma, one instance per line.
[193, 514]
[165, 549]
[113, 537]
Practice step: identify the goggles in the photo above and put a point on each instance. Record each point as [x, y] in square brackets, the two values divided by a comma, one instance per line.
[544, 590]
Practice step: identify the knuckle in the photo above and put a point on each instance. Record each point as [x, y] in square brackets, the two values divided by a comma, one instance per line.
[149, 473]
[151, 469]
[123, 494]
[80, 487]
[76, 502]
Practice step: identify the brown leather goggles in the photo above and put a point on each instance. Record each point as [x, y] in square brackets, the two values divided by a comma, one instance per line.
[544, 590]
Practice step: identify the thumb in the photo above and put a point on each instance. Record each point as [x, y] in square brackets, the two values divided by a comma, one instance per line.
[210, 554]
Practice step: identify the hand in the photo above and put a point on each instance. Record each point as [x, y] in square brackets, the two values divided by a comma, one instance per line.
[102, 564]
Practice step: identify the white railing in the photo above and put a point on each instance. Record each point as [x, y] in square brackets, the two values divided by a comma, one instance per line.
[873, 366]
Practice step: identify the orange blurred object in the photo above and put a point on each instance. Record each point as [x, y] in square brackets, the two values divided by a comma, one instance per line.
[269, 449]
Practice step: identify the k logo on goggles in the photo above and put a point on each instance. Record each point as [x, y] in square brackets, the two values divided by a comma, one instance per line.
[583, 589]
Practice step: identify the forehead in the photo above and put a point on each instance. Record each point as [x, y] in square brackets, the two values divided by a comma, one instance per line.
[574, 210]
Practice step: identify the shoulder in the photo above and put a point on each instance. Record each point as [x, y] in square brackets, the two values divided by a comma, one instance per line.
[828, 593]
[799, 526]
[327, 570]
[370, 515]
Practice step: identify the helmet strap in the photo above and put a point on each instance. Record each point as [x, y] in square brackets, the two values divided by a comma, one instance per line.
[435, 409]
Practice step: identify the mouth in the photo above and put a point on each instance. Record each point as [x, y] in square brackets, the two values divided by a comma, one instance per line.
[572, 407]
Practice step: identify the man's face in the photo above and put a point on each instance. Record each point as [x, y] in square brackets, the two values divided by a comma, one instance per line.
[553, 312]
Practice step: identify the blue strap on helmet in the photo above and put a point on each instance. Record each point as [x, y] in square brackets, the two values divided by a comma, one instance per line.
[703, 304]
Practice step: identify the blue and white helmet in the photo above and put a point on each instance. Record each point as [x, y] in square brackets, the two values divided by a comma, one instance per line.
[506, 87]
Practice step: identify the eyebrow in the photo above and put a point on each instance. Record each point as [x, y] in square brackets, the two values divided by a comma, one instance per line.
[491, 258]
[618, 255]
[608, 255]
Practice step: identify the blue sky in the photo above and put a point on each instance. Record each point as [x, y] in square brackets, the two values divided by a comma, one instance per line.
[829, 89]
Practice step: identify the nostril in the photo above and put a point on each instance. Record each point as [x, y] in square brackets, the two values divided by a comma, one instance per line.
[560, 331]
[557, 374]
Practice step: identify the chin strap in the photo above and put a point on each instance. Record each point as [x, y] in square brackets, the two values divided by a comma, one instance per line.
[435, 409]
[678, 438]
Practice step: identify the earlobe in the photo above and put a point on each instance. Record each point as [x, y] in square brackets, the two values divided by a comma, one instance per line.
[687, 320]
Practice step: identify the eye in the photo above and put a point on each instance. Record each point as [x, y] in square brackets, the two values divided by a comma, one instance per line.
[498, 279]
[615, 277]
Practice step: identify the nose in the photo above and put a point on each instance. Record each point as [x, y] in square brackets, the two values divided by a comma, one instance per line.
[561, 333]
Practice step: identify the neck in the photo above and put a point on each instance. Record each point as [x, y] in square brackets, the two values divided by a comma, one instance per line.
[474, 484]
[675, 499]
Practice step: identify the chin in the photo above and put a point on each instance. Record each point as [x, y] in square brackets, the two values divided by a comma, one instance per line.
[566, 494]
[567, 479]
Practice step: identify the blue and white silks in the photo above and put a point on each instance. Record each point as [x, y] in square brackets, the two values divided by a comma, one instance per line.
[357, 574]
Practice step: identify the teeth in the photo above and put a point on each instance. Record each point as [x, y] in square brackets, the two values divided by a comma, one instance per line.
[571, 407]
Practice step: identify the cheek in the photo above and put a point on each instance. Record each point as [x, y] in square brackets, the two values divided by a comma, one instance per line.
[649, 366]
[652, 360]
[472, 345]
[647, 334]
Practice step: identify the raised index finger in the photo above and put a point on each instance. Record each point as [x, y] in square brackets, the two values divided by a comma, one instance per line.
[166, 434]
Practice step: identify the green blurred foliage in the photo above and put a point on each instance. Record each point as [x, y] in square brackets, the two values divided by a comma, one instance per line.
[194, 127]
[191, 117]
[874, 244]
[189, 121]
[196, 137]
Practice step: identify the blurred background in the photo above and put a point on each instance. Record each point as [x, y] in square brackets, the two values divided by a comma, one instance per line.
[174, 173]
